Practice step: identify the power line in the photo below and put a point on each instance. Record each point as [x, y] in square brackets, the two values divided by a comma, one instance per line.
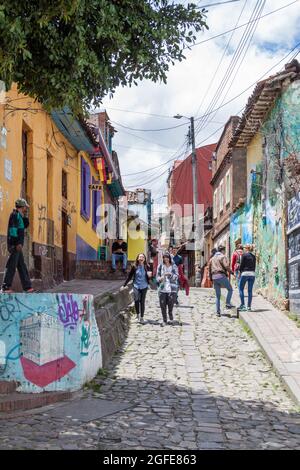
[245, 39]
[221, 60]
[148, 130]
[241, 26]
[261, 77]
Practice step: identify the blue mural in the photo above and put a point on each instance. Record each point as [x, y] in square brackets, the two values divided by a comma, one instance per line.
[48, 342]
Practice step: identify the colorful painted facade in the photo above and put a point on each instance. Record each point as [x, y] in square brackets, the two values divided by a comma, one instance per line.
[270, 132]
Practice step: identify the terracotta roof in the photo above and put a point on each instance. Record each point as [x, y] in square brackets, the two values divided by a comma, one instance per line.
[260, 103]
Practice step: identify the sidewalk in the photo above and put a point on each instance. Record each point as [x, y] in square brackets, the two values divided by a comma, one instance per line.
[279, 338]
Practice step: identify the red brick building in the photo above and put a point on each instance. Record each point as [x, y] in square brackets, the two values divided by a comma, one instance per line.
[180, 193]
[228, 183]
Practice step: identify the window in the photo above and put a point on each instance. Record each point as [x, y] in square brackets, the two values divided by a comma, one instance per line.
[228, 188]
[85, 191]
[215, 208]
[96, 203]
[64, 184]
[221, 195]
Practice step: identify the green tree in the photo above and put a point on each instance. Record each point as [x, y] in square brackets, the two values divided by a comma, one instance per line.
[74, 52]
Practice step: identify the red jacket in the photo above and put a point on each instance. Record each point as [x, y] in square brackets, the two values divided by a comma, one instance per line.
[234, 259]
[183, 282]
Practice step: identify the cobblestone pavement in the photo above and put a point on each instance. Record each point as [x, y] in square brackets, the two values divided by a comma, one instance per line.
[201, 385]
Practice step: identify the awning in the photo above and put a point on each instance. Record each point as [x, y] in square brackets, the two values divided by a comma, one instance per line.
[72, 129]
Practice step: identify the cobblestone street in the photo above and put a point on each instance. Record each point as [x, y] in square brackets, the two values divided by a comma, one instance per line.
[201, 384]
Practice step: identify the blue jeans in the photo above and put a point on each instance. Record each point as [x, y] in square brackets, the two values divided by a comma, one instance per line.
[242, 283]
[119, 257]
[218, 285]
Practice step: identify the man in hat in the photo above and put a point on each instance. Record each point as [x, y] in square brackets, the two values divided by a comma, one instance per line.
[219, 270]
[18, 222]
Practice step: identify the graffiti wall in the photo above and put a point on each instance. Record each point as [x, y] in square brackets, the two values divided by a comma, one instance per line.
[294, 253]
[241, 226]
[48, 342]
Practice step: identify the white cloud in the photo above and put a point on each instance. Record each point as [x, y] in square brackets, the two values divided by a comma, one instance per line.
[187, 85]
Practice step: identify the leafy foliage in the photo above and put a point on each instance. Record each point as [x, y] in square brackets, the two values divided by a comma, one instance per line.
[74, 52]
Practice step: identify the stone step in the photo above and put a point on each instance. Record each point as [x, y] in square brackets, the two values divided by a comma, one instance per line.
[28, 401]
[7, 387]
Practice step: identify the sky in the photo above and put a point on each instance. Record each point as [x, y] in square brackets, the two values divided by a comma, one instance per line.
[192, 85]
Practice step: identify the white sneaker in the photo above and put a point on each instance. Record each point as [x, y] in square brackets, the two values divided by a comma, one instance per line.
[171, 322]
[142, 321]
[163, 323]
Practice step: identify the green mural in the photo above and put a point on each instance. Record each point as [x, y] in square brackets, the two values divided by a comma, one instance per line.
[262, 220]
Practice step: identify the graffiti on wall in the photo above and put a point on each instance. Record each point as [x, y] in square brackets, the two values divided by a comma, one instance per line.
[241, 226]
[294, 213]
[50, 343]
[294, 253]
[4, 198]
[42, 219]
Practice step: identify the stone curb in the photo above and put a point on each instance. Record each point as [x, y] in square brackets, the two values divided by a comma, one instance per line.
[292, 386]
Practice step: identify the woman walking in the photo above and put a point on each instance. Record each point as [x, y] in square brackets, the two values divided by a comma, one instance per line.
[140, 273]
[247, 275]
[167, 276]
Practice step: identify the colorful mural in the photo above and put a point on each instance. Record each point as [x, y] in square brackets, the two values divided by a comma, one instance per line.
[262, 220]
[48, 342]
[241, 226]
[294, 253]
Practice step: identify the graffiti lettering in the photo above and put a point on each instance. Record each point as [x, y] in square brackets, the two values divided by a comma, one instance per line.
[68, 311]
[43, 250]
[9, 357]
[3, 249]
[85, 339]
[42, 218]
[11, 304]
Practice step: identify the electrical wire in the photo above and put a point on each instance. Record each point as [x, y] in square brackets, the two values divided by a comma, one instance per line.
[234, 62]
[239, 27]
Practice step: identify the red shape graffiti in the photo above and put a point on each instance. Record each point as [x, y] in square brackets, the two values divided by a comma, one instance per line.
[47, 373]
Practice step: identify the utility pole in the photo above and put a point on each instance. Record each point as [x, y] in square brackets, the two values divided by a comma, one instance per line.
[194, 174]
[195, 196]
[196, 228]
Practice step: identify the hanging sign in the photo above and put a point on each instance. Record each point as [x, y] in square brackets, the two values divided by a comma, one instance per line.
[95, 187]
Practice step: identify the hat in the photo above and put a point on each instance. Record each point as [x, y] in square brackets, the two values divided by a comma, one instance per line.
[21, 203]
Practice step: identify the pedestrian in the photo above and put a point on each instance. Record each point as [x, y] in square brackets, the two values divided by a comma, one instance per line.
[153, 255]
[236, 261]
[247, 276]
[119, 253]
[140, 273]
[18, 222]
[219, 269]
[206, 277]
[167, 276]
[182, 280]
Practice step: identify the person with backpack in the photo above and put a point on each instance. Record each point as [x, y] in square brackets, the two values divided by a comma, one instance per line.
[247, 276]
[219, 269]
[167, 276]
[236, 261]
[17, 224]
[141, 274]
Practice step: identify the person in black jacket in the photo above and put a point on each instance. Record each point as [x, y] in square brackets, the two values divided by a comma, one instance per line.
[140, 273]
[247, 275]
[18, 222]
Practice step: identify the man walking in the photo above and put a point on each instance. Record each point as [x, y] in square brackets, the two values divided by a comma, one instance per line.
[18, 222]
[219, 269]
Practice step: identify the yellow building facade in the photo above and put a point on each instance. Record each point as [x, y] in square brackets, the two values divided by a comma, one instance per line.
[41, 165]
